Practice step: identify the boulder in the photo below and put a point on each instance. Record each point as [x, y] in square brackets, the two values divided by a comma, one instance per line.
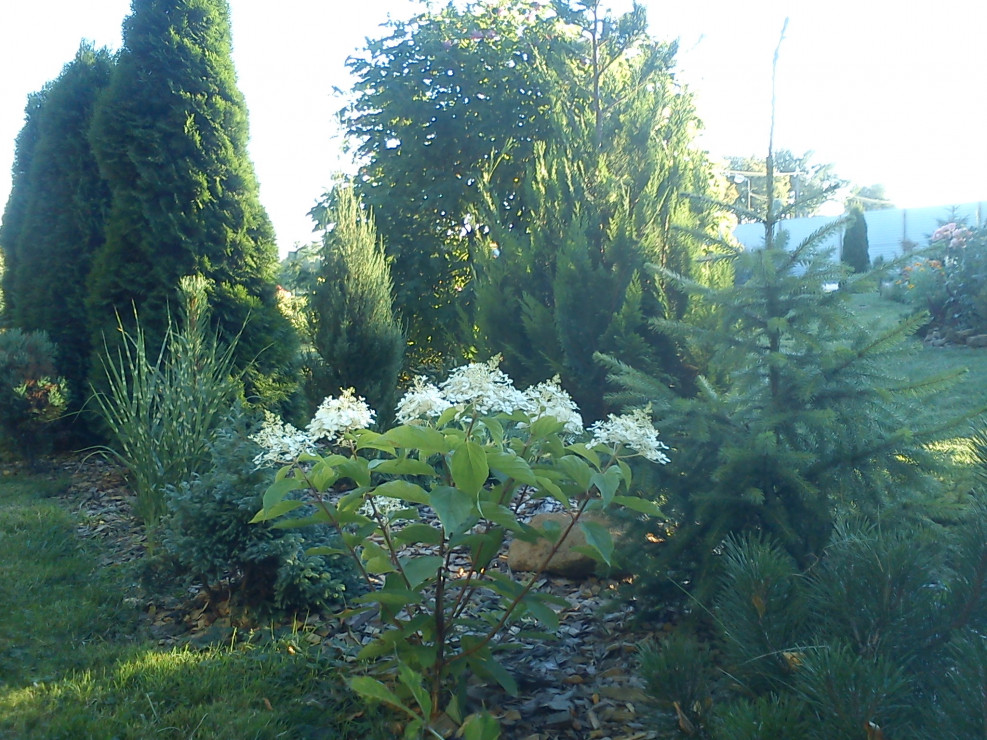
[567, 561]
[977, 340]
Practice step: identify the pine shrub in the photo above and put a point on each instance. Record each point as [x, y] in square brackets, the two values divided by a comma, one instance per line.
[882, 637]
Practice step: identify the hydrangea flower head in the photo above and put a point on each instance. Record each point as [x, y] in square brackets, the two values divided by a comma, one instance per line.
[632, 430]
[422, 400]
[336, 416]
[485, 386]
[280, 442]
[549, 399]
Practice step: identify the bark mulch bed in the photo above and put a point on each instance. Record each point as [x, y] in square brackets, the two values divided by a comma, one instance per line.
[578, 684]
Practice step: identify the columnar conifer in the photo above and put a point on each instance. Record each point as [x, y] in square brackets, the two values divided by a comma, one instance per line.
[170, 136]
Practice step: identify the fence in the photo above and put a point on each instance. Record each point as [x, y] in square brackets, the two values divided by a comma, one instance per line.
[889, 232]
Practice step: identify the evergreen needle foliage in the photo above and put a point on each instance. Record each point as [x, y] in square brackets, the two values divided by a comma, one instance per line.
[170, 137]
[161, 409]
[354, 329]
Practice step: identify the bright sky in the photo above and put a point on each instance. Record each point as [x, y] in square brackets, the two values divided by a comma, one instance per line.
[889, 92]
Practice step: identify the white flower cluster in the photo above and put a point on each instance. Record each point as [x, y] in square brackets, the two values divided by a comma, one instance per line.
[422, 400]
[549, 399]
[280, 442]
[485, 386]
[488, 390]
[336, 416]
[385, 506]
[633, 430]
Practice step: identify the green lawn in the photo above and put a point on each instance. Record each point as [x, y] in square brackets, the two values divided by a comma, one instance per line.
[75, 661]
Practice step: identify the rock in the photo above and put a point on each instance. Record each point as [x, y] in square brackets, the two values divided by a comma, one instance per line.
[567, 561]
[977, 340]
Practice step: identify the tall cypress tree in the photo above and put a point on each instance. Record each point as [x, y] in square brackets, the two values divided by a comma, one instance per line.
[57, 211]
[170, 136]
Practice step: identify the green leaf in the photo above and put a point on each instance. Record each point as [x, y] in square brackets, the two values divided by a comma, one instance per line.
[326, 550]
[511, 465]
[587, 453]
[356, 469]
[414, 534]
[376, 559]
[280, 508]
[548, 486]
[413, 682]
[544, 426]
[578, 470]
[393, 599]
[607, 484]
[480, 726]
[322, 476]
[370, 440]
[640, 505]
[409, 436]
[279, 489]
[403, 466]
[371, 688]
[500, 515]
[419, 569]
[541, 611]
[454, 508]
[598, 538]
[402, 489]
[469, 467]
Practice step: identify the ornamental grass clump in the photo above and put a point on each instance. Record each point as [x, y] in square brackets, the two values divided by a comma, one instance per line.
[424, 508]
[161, 410]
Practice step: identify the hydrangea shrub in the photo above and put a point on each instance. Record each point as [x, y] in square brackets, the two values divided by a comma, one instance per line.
[446, 486]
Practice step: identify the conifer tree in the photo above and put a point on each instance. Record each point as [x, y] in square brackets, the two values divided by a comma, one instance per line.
[603, 198]
[795, 415]
[855, 253]
[56, 216]
[170, 137]
[354, 329]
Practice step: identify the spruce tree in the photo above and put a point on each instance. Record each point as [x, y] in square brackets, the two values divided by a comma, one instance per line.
[57, 217]
[795, 416]
[354, 329]
[854, 253]
[170, 137]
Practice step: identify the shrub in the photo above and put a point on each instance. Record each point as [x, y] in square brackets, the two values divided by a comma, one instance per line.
[31, 394]
[445, 487]
[207, 533]
[162, 410]
[882, 635]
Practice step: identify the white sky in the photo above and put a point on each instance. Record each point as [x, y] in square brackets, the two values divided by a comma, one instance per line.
[889, 92]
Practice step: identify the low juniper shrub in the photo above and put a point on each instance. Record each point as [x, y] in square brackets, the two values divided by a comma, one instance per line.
[208, 535]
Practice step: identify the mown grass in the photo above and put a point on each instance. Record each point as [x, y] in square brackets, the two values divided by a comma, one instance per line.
[965, 395]
[75, 661]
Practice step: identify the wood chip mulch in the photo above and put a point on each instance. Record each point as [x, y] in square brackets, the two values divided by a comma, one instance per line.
[579, 684]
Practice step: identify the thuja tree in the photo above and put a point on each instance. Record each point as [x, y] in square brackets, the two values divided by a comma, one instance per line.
[566, 277]
[354, 329]
[54, 219]
[854, 252]
[170, 137]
